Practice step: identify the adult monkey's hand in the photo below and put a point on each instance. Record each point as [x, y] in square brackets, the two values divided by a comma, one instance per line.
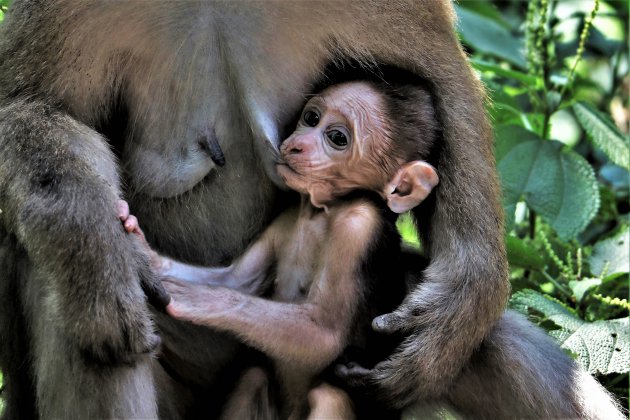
[422, 367]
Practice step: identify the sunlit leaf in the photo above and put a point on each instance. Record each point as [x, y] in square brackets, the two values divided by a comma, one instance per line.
[530, 302]
[497, 69]
[602, 346]
[612, 254]
[604, 134]
[553, 180]
[407, 230]
[580, 287]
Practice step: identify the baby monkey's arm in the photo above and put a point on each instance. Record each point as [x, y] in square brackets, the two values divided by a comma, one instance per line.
[247, 274]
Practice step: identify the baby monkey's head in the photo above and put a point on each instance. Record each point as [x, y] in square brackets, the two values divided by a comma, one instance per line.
[362, 135]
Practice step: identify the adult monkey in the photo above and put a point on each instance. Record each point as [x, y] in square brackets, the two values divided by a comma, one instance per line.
[164, 84]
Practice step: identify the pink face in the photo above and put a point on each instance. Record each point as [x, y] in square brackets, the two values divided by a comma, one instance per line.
[338, 145]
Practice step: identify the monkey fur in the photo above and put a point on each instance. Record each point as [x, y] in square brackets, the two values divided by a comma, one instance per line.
[335, 262]
[107, 100]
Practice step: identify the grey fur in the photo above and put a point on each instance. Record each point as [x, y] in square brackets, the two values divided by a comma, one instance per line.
[71, 280]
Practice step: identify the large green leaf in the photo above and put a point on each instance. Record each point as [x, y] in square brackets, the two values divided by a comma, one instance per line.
[602, 346]
[553, 180]
[604, 134]
[489, 37]
[613, 254]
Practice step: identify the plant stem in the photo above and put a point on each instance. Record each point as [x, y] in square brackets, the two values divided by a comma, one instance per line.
[544, 44]
[546, 126]
[532, 223]
[559, 286]
[580, 51]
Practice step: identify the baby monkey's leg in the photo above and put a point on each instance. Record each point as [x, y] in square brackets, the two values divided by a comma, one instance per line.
[251, 399]
[329, 402]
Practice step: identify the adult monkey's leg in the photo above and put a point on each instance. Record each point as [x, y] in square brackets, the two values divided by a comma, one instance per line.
[520, 371]
[80, 283]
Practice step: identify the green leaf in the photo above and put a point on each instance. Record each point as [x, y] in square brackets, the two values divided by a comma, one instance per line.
[485, 9]
[1, 399]
[604, 134]
[520, 254]
[579, 288]
[407, 230]
[525, 301]
[524, 78]
[553, 180]
[3, 6]
[602, 346]
[613, 253]
[489, 37]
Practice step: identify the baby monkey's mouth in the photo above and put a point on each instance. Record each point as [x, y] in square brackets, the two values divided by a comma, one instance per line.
[282, 162]
[286, 172]
[283, 166]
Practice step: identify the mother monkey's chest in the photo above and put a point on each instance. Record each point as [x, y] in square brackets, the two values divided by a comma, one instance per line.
[227, 77]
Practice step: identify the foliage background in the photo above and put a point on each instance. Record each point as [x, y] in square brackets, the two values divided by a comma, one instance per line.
[557, 79]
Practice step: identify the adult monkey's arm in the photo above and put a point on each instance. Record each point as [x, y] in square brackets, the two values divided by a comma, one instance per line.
[58, 192]
[465, 287]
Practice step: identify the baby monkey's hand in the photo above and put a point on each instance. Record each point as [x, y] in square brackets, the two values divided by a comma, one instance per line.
[131, 225]
[129, 221]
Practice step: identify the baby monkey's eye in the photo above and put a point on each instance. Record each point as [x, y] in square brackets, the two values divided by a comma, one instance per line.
[311, 118]
[337, 139]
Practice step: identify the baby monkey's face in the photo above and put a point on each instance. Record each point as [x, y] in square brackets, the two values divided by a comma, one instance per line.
[338, 145]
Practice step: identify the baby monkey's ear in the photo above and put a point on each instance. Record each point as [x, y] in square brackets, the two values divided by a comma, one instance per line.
[410, 186]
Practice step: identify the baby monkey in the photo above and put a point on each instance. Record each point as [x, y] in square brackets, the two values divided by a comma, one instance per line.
[358, 147]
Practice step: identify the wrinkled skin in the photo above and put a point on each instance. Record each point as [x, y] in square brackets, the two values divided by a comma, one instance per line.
[107, 100]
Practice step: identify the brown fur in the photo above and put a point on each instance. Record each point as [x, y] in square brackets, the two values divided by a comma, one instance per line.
[147, 78]
[317, 258]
